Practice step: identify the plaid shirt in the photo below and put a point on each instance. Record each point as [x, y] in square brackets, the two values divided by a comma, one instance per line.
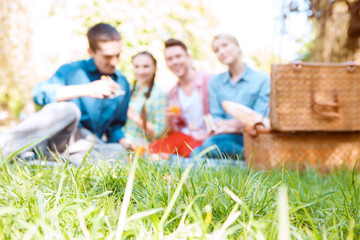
[156, 105]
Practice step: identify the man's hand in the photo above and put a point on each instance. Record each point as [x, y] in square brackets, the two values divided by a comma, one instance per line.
[103, 88]
[170, 114]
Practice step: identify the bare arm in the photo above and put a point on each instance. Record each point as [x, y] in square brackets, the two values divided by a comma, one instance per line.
[229, 126]
[136, 118]
[103, 88]
[126, 143]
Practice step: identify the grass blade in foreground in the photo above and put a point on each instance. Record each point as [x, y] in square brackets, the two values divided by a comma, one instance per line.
[47, 202]
[126, 200]
[174, 197]
[283, 209]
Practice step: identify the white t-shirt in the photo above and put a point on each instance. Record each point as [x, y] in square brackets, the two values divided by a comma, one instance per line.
[192, 108]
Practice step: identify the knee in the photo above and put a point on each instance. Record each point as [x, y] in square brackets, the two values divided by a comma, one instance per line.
[209, 142]
[73, 110]
[206, 149]
[64, 110]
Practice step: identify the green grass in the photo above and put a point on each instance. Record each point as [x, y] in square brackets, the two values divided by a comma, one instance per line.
[163, 202]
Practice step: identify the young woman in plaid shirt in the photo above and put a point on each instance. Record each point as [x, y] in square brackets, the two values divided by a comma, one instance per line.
[146, 114]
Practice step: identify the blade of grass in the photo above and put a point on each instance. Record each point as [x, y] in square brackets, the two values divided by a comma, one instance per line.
[174, 197]
[83, 225]
[21, 150]
[126, 199]
[283, 214]
[143, 214]
[57, 198]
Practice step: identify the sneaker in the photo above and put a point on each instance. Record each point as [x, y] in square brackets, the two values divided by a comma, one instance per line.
[28, 156]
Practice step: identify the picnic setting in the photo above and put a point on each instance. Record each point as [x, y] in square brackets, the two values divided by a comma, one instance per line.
[180, 119]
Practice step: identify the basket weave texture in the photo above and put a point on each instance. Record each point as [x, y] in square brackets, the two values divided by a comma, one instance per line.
[315, 97]
[323, 151]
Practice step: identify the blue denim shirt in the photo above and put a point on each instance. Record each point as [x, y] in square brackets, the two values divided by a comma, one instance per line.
[252, 90]
[101, 116]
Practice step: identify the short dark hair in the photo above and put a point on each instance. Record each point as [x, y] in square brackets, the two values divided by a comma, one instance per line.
[102, 32]
[175, 42]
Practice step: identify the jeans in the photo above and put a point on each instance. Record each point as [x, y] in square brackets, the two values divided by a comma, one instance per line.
[54, 129]
[228, 146]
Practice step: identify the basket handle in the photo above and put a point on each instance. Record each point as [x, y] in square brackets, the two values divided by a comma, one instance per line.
[335, 104]
[351, 67]
[256, 128]
[297, 65]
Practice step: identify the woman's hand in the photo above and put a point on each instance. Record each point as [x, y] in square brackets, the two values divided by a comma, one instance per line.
[126, 143]
[133, 116]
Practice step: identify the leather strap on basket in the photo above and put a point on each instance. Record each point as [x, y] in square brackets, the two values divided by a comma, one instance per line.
[351, 67]
[256, 128]
[259, 126]
[297, 65]
[317, 105]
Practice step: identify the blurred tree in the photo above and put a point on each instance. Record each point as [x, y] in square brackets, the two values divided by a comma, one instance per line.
[15, 55]
[336, 26]
[264, 58]
[146, 24]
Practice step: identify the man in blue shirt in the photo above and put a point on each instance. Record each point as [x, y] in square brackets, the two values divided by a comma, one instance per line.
[85, 102]
[240, 84]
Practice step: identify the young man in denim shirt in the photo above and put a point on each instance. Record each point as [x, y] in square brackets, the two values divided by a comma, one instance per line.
[85, 106]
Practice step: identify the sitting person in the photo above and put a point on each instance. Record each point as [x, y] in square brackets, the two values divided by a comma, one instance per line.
[146, 114]
[84, 101]
[188, 103]
[240, 84]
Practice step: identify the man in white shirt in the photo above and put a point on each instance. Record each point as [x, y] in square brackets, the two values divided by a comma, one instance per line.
[190, 94]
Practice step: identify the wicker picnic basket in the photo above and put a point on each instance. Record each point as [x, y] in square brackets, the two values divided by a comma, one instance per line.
[315, 97]
[323, 151]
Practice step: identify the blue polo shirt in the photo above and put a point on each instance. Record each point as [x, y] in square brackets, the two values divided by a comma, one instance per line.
[252, 90]
[101, 116]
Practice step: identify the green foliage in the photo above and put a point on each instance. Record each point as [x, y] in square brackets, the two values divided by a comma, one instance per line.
[16, 67]
[235, 203]
[146, 24]
[13, 99]
[330, 25]
[38, 36]
[263, 59]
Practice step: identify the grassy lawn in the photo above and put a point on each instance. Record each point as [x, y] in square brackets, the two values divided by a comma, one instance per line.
[145, 200]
